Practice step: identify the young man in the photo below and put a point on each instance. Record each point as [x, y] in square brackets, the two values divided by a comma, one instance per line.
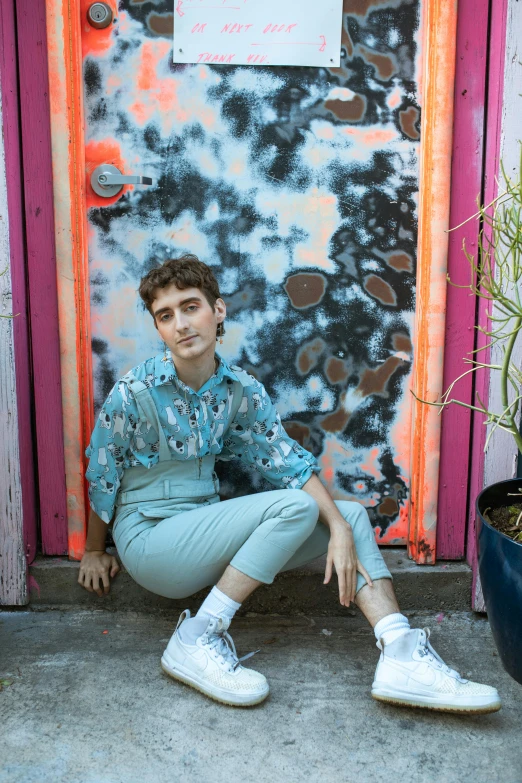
[151, 460]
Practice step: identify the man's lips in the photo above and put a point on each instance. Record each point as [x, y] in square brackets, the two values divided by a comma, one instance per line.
[186, 339]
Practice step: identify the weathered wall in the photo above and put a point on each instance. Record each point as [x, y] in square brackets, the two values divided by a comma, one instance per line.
[13, 588]
[299, 186]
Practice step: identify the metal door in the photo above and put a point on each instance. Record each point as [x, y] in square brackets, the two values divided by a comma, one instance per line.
[298, 186]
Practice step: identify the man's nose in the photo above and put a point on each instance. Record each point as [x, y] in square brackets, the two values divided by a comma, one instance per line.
[181, 322]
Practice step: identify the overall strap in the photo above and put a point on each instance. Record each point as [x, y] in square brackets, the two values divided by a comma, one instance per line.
[236, 400]
[148, 412]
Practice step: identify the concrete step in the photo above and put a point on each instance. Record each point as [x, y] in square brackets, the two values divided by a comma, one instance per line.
[442, 587]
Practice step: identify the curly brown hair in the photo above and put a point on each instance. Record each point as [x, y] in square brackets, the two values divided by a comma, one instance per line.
[187, 271]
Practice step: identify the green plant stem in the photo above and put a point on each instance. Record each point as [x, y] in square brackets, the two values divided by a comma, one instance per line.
[504, 376]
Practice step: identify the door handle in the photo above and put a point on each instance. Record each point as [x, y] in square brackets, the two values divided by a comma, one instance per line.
[107, 180]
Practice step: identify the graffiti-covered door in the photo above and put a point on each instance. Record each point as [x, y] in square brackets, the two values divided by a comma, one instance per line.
[298, 186]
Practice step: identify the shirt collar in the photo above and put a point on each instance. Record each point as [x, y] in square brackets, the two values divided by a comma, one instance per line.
[165, 372]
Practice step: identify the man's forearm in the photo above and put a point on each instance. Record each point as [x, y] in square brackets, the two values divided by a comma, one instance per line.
[329, 514]
[96, 533]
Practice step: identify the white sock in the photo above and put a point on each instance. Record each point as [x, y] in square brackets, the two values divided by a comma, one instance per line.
[216, 604]
[391, 627]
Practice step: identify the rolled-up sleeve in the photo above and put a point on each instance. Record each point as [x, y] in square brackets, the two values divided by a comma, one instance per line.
[257, 436]
[108, 449]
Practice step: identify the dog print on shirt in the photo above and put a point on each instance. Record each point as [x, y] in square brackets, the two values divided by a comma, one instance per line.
[209, 397]
[122, 388]
[258, 401]
[191, 446]
[118, 420]
[171, 419]
[218, 410]
[279, 461]
[182, 407]
[264, 464]
[118, 454]
[176, 445]
[243, 408]
[105, 486]
[104, 419]
[274, 433]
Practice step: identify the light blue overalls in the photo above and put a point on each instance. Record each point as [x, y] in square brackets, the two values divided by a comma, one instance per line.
[175, 536]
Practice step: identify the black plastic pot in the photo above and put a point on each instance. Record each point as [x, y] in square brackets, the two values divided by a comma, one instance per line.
[500, 569]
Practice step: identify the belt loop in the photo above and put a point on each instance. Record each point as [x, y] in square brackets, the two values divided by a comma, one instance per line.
[166, 489]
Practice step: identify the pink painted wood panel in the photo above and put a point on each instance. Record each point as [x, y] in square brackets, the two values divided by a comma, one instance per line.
[11, 130]
[466, 185]
[41, 266]
[497, 44]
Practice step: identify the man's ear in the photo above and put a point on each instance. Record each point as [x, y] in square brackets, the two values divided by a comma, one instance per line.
[220, 307]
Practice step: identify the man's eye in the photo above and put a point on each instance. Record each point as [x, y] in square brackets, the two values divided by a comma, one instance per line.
[192, 307]
[165, 317]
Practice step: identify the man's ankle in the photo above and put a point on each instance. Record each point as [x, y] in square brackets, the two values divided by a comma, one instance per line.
[391, 627]
[217, 604]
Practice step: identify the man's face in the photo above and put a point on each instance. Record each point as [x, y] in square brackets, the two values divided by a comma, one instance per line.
[186, 321]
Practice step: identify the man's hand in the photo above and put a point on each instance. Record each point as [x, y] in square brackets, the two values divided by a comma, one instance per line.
[96, 566]
[343, 557]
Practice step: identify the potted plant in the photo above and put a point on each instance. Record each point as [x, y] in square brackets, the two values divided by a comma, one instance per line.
[497, 277]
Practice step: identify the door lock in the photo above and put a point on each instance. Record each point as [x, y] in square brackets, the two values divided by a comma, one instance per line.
[99, 15]
[107, 180]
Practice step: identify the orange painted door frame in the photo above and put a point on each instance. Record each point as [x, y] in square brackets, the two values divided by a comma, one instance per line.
[67, 126]
[64, 19]
[439, 24]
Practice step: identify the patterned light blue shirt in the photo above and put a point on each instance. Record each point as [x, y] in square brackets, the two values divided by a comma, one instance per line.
[121, 439]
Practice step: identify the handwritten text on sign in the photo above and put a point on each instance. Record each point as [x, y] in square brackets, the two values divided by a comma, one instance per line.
[258, 32]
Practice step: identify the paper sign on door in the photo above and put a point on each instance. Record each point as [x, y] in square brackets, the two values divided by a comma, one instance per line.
[258, 32]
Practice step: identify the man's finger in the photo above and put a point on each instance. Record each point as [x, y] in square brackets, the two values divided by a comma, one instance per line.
[328, 571]
[114, 567]
[87, 584]
[96, 584]
[106, 583]
[348, 577]
[341, 576]
[362, 570]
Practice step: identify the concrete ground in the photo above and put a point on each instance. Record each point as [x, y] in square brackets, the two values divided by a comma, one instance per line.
[84, 701]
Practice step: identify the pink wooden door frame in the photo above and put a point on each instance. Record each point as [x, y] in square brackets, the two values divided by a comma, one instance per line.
[9, 86]
[466, 185]
[31, 223]
[497, 50]
[41, 266]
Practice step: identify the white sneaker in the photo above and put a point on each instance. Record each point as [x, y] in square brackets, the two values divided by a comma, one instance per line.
[211, 665]
[411, 673]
